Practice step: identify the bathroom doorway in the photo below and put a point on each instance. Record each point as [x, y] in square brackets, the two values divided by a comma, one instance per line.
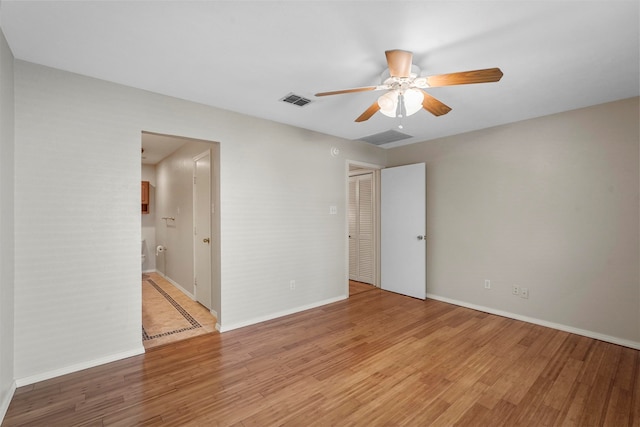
[171, 290]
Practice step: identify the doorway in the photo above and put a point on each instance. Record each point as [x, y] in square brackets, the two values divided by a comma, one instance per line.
[399, 242]
[363, 226]
[184, 279]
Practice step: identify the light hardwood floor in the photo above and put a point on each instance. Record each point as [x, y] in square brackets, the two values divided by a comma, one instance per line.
[377, 358]
[357, 287]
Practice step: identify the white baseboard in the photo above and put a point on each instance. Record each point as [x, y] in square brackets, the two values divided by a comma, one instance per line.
[177, 285]
[4, 405]
[20, 382]
[271, 316]
[558, 326]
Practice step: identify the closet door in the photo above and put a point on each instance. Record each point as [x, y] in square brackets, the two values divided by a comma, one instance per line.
[353, 231]
[361, 228]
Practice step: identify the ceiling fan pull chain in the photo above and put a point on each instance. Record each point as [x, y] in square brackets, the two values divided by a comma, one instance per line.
[401, 110]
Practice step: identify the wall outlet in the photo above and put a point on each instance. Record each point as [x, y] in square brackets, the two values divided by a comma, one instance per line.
[487, 284]
[524, 292]
[515, 290]
[292, 285]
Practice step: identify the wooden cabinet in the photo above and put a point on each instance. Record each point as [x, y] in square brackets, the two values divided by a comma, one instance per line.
[145, 197]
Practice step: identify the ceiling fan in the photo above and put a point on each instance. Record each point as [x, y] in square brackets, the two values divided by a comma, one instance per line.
[405, 87]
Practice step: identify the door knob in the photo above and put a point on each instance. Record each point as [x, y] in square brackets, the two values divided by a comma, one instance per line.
[206, 240]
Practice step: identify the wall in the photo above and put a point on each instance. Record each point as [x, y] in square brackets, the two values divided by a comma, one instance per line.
[550, 204]
[175, 199]
[77, 294]
[149, 220]
[7, 385]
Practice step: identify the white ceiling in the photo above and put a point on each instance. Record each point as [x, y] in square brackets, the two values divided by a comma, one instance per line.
[245, 56]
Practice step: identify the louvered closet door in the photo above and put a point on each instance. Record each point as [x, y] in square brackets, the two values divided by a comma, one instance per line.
[353, 232]
[361, 250]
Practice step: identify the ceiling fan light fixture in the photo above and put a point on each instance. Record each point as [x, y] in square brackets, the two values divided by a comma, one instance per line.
[412, 101]
[405, 85]
[388, 103]
[421, 82]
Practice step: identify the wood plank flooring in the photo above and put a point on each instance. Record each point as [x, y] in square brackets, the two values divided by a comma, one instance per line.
[357, 287]
[375, 359]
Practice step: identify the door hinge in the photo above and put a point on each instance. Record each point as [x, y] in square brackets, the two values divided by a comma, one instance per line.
[194, 180]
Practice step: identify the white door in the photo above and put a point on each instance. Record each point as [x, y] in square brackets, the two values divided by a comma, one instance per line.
[361, 228]
[202, 210]
[403, 224]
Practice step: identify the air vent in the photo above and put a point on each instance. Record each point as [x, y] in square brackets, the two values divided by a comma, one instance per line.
[385, 137]
[294, 99]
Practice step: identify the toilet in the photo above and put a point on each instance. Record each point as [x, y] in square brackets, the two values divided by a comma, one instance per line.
[142, 251]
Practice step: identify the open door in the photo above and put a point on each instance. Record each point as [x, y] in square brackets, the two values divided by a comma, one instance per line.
[403, 223]
[202, 228]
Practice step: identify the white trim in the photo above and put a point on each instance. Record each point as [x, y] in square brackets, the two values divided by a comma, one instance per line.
[552, 325]
[4, 405]
[271, 316]
[174, 283]
[363, 165]
[215, 314]
[20, 382]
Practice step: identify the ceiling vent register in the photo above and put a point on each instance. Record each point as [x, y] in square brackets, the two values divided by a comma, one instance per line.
[385, 137]
[294, 99]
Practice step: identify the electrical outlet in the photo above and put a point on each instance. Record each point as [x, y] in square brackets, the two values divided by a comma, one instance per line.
[292, 285]
[524, 292]
[487, 284]
[515, 290]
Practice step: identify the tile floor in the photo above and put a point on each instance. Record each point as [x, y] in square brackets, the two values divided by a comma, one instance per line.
[168, 315]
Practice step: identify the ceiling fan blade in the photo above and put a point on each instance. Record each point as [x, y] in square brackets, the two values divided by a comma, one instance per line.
[465, 77]
[399, 62]
[369, 112]
[435, 107]
[357, 89]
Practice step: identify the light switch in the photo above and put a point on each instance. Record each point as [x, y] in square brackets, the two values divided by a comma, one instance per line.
[333, 210]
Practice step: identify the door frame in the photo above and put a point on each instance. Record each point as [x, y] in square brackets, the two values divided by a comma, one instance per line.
[375, 168]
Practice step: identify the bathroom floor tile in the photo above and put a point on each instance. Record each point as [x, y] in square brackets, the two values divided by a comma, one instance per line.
[168, 315]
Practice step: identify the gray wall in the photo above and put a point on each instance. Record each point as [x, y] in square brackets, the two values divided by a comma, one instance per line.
[77, 162]
[550, 204]
[174, 198]
[6, 224]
